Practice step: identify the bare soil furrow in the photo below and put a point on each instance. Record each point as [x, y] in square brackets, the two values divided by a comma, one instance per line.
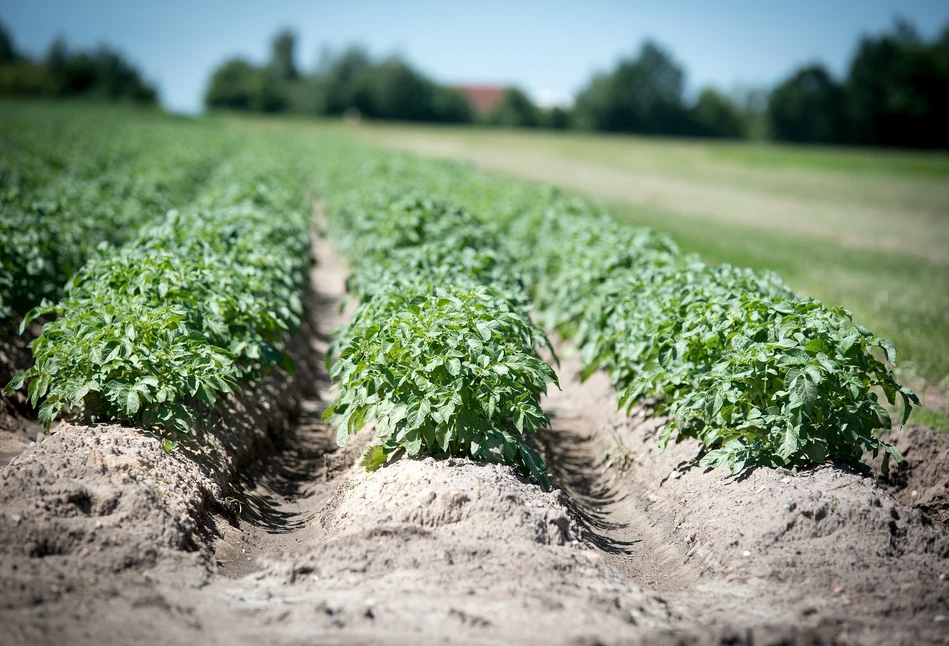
[827, 551]
[278, 537]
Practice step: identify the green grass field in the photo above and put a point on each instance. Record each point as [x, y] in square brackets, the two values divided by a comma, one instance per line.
[865, 229]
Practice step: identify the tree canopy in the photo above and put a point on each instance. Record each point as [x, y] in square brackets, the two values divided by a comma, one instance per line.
[102, 74]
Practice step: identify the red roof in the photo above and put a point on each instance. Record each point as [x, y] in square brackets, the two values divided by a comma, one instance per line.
[483, 98]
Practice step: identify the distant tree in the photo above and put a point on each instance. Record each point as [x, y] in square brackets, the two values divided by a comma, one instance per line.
[752, 104]
[116, 79]
[556, 118]
[808, 107]
[233, 86]
[18, 75]
[8, 53]
[24, 78]
[390, 89]
[515, 110]
[897, 90]
[450, 106]
[398, 92]
[57, 56]
[715, 115]
[642, 94]
[283, 57]
[346, 79]
[307, 96]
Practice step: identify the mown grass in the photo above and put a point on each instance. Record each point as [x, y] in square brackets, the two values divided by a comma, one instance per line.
[883, 162]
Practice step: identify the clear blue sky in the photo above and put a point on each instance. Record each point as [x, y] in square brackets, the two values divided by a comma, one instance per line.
[549, 48]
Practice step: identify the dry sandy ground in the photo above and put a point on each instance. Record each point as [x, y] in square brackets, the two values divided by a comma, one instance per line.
[18, 425]
[265, 533]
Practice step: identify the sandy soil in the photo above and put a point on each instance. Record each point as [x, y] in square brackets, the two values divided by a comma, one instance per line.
[266, 533]
[18, 425]
[923, 482]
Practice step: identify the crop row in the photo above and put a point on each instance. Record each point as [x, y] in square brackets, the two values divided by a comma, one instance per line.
[441, 351]
[68, 185]
[196, 304]
[734, 358]
[759, 375]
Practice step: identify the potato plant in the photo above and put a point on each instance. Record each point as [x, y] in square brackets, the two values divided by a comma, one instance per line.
[441, 352]
[756, 373]
[759, 375]
[67, 185]
[194, 306]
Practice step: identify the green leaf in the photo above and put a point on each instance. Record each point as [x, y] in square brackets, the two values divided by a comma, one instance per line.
[789, 445]
[882, 416]
[454, 367]
[413, 443]
[535, 465]
[373, 457]
[889, 350]
[342, 435]
[131, 403]
[15, 384]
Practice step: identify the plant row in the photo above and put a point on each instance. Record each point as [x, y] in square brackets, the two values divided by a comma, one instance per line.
[737, 360]
[441, 352]
[196, 304]
[756, 373]
[70, 184]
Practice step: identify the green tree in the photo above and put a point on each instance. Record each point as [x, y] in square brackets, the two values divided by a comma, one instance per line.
[8, 53]
[346, 78]
[897, 90]
[450, 106]
[283, 56]
[715, 115]
[642, 94]
[808, 107]
[515, 110]
[240, 85]
[57, 56]
[556, 118]
[398, 92]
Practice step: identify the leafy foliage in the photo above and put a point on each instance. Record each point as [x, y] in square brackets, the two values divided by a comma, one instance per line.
[67, 185]
[441, 352]
[737, 360]
[100, 74]
[195, 305]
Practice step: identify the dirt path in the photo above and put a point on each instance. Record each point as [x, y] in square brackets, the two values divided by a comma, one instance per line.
[285, 541]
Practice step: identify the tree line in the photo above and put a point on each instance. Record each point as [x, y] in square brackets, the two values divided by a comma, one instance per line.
[102, 73]
[895, 93]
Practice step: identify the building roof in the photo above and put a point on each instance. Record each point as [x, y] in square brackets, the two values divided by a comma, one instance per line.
[483, 98]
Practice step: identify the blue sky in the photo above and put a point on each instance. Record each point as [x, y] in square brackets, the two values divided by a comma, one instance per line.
[549, 48]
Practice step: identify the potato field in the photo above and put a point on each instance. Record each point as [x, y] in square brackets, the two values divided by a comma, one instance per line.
[266, 384]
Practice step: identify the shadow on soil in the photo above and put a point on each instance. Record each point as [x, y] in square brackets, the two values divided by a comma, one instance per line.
[589, 492]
